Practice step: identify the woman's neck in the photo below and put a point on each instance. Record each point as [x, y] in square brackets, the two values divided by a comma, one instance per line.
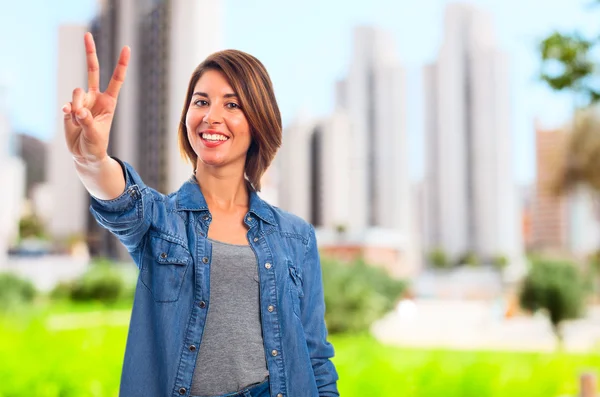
[222, 190]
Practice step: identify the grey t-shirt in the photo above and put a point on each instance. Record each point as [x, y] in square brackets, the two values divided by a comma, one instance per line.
[231, 355]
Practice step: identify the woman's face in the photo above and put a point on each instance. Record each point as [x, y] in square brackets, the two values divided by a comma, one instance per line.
[216, 125]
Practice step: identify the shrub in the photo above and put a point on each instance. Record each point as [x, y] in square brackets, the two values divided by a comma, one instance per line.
[438, 259]
[357, 294]
[500, 262]
[14, 291]
[62, 291]
[469, 258]
[102, 282]
[31, 226]
[555, 287]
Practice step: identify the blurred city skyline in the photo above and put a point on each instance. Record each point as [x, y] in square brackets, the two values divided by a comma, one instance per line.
[311, 41]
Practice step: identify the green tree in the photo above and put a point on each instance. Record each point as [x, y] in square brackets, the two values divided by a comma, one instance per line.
[569, 64]
[557, 288]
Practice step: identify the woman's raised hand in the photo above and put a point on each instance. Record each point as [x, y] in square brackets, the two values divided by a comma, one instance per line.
[88, 117]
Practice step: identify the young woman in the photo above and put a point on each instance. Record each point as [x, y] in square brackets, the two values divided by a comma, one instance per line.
[229, 300]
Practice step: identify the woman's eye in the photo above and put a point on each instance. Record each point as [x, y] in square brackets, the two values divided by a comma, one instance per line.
[233, 105]
[201, 102]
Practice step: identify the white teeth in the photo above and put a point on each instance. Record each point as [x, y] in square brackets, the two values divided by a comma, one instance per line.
[214, 137]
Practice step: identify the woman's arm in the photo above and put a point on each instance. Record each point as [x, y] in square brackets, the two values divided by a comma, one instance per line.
[120, 201]
[104, 179]
[129, 215]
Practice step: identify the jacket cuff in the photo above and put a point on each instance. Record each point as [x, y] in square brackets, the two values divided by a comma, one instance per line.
[127, 199]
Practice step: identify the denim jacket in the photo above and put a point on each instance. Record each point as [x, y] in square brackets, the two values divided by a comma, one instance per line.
[166, 236]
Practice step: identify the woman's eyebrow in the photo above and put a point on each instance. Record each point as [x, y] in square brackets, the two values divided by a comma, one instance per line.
[205, 95]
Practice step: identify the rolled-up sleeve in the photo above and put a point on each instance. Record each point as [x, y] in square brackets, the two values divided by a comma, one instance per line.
[313, 321]
[128, 216]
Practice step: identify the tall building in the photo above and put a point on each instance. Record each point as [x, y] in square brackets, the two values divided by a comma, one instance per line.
[314, 164]
[361, 147]
[471, 195]
[12, 175]
[372, 95]
[583, 231]
[170, 49]
[165, 49]
[347, 173]
[69, 200]
[549, 211]
[33, 152]
[561, 222]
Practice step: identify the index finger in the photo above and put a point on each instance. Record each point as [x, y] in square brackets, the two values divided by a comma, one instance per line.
[92, 63]
[118, 77]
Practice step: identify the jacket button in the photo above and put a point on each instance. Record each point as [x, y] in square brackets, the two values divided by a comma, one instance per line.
[205, 217]
[202, 304]
[163, 255]
[205, 260]
[270, 308]
[268, 265]
[255, 239]
[192, 348]
[249, 219]
[274, 353]
[280, 395]
[182, 391]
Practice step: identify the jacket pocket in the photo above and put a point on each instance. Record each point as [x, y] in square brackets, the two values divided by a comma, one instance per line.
[166, 264]
[295, 287]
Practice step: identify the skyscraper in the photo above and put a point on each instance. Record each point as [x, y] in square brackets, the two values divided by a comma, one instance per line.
[69, 202]
[359, 150]
[373, 97]
[561, 222]
[549, 212]
[314, 164]
[166, 47]
[12, 175]
[471, 195]
[347, 173]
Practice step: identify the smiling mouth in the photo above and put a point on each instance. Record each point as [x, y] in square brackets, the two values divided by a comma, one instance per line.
[213, 137]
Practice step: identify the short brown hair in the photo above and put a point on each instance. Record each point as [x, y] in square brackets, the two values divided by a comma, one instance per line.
[252, 84]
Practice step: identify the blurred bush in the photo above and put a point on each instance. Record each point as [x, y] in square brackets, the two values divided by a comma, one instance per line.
[469, 258]
[357, 294]
[14, 291]
[500, 262]
[31, 226]
[438, 259]
[556, 287]
[103, 282]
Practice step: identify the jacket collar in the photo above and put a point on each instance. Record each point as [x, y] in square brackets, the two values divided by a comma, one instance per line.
[190, 198]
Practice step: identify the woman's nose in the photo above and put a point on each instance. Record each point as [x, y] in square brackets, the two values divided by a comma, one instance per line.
[213, 115]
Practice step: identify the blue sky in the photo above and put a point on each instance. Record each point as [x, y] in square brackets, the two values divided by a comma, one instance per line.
[306, 47]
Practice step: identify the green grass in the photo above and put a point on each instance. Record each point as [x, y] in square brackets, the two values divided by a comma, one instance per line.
[47, 352]
[368, 368]
[42, 360]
